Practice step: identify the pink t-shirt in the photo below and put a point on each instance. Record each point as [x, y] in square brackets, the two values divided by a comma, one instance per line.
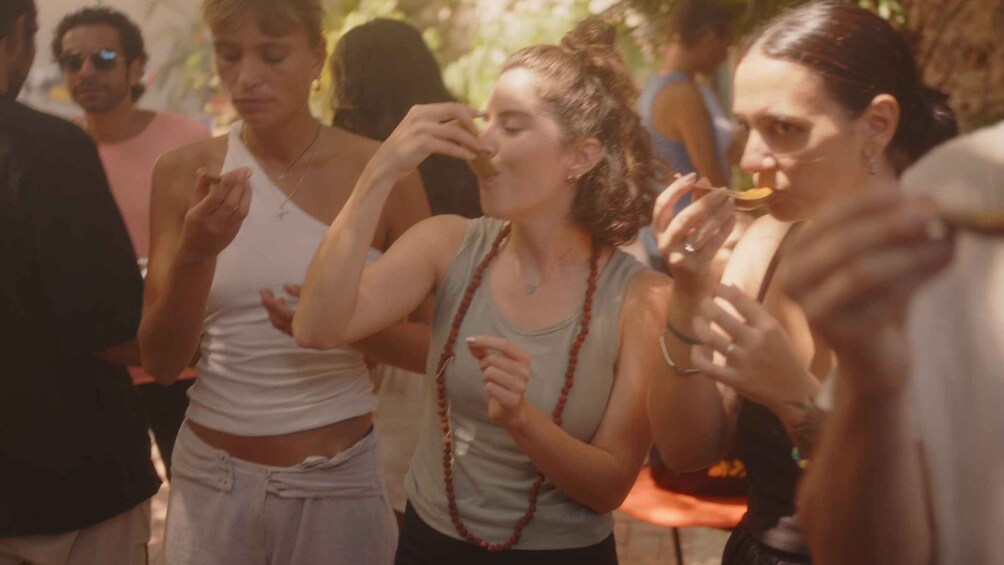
[129, 166]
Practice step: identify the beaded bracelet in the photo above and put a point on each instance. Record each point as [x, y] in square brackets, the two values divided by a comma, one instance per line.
[682, 336]
[796, 456]
[669, 360]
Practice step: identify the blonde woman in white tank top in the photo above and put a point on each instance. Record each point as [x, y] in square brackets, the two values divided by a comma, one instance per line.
[277, 462]
[572, 166]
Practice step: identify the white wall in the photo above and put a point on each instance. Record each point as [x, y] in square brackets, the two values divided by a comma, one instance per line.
[157, 24]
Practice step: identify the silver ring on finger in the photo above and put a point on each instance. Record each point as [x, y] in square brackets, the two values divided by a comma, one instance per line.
[688, 247]
[730, 349]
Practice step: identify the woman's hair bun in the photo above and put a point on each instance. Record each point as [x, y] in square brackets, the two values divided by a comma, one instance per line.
[926, 124]
[591, 33]
[591, 94]
[935, 104]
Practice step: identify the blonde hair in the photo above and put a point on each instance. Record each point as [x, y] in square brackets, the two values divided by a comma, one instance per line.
[274, 17]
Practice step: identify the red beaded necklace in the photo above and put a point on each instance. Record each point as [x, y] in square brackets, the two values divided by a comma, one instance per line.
[444, 418]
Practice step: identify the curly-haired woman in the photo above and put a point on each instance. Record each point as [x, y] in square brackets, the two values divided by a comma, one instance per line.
[559, 328]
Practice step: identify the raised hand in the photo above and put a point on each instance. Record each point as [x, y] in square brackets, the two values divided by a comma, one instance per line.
[854, 272]
[690, 240]
[447, 129]
[218, 209]
[760, 362]
[505, 368]
[279, 312]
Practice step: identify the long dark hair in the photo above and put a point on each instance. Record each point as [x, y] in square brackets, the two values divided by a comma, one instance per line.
[590, 92]
[380, 69]
[858, 56]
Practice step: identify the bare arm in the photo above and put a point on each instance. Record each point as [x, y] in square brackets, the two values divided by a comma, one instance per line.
[864, 499]
[693, 418]
[615, 454]
[405, 344]
[680, 108]
[343, 301]
[854, 271]
[188, 229]
[122, 354]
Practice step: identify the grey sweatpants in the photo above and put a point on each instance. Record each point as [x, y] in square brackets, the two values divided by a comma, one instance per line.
[225, 511]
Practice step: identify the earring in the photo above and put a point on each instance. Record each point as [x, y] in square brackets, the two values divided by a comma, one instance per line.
[571, 179]
[316, 85]
[873, 166]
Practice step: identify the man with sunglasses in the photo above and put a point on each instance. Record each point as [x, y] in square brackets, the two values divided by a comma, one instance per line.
[102, 55]
[75, 472]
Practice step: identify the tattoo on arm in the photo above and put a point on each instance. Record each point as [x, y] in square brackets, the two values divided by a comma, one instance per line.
[805, 432]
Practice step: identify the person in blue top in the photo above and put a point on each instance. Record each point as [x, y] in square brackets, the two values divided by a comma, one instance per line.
[690, 130]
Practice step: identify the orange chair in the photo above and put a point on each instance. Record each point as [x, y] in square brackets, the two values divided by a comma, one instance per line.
[650, 503]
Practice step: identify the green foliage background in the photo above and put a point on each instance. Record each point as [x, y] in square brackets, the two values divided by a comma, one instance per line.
[470, 38]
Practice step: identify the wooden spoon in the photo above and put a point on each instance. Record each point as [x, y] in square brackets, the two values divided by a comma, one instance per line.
[482, 164]
[985, 223]
[745, 201]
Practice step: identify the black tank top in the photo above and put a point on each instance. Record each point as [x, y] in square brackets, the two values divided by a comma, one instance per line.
[763, 444]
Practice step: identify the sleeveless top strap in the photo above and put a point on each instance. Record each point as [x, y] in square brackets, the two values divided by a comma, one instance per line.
[774, 261]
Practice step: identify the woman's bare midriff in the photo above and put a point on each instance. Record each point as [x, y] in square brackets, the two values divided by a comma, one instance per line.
[287, 450]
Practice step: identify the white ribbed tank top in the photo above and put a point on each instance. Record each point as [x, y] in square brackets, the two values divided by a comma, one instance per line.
[253, 379]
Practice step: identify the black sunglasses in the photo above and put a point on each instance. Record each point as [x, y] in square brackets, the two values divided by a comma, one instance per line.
[102, 60]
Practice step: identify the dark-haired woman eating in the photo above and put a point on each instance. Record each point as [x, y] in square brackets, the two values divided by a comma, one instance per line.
[834, 107]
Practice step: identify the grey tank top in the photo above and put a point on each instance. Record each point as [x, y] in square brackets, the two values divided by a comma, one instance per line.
[491, 475]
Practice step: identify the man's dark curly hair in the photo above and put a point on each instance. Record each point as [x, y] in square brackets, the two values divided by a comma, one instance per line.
[129, 35]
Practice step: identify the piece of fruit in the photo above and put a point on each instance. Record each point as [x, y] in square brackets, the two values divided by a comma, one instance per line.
[482, 165]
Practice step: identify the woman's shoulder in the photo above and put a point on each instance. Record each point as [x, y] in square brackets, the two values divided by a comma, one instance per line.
[644, 306]
[754, 252]
[207, 153]
[450, 225]
[175, 171]
[676, 95]
[352, 146]
[343, 153]
[682, 90]
[645, 286]
[443, 234]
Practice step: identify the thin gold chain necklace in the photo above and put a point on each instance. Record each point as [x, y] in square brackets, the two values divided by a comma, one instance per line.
[531, 287]
[282, 211]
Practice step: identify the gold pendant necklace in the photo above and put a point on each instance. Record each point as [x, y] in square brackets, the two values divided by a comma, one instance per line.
[531, 287]
[282, 175]
[281, 213]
